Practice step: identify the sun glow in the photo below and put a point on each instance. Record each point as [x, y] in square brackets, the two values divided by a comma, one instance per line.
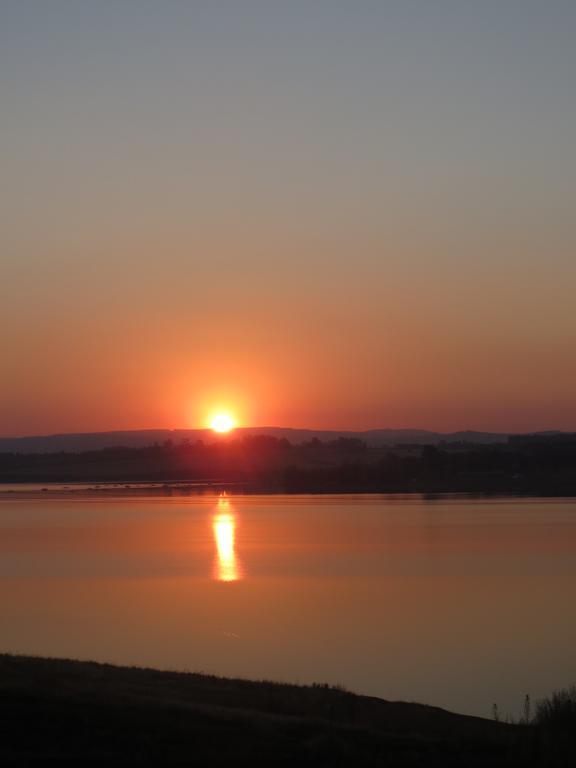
[222, 422]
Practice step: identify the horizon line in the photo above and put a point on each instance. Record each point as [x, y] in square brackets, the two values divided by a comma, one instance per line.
[294, 429]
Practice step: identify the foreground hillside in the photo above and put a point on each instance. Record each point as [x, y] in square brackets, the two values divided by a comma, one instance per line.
[58, 712]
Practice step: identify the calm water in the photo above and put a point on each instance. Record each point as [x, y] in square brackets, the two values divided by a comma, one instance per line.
[459, 603]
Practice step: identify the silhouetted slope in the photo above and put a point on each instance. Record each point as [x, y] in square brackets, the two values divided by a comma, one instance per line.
[82, 713]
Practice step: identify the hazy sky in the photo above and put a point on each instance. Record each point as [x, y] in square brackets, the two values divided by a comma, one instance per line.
[319, 213]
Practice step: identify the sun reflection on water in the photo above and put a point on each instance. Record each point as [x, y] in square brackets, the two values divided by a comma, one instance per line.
[227, 566]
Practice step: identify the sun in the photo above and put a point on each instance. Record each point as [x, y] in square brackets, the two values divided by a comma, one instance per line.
[222, 422]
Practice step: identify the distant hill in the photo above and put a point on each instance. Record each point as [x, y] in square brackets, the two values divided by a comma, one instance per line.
[88, 441]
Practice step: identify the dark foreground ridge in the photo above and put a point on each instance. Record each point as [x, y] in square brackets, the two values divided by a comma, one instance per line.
[61, 712]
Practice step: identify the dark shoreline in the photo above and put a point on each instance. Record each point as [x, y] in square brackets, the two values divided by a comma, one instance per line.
[533, 466]
[208, 490]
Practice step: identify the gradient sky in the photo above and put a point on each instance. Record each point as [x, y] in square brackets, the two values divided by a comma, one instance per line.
[319, 213]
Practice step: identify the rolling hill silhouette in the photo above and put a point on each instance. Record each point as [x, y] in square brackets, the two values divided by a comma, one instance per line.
[87, 441]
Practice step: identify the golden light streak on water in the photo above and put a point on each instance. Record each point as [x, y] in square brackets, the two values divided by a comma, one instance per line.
[224, 528]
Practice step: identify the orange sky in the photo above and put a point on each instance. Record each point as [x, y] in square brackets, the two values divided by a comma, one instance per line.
[316, 219]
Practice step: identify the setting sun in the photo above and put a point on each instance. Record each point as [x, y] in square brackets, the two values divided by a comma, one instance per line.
[222, 422]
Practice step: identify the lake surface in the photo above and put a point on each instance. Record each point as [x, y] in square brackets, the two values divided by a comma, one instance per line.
[456, 602]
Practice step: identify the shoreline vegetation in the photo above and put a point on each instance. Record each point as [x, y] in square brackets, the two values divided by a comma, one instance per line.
[538, 465]
[58, 711]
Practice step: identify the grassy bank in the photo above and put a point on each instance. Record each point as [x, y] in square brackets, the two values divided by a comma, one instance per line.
[61, 712]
